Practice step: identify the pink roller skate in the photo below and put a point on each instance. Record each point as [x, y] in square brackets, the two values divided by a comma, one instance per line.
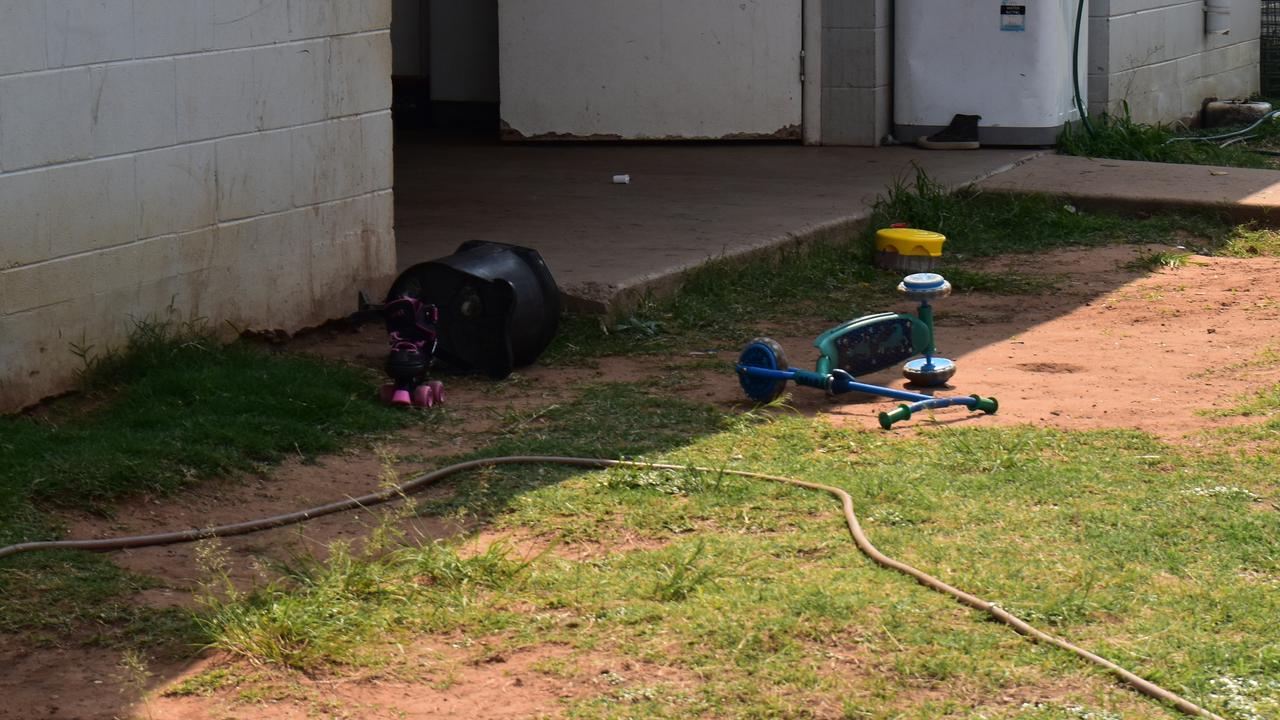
[411, 330]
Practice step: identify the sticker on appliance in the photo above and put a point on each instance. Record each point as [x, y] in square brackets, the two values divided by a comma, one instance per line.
[1013, 18]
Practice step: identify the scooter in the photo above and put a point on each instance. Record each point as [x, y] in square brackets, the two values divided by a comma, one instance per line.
[866, 345]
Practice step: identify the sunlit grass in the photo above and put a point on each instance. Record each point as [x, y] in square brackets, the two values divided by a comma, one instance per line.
[755, 589]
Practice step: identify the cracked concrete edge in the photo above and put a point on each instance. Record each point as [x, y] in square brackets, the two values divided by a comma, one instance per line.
[615, 301]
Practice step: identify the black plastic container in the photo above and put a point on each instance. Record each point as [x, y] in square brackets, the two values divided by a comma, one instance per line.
[499, 305]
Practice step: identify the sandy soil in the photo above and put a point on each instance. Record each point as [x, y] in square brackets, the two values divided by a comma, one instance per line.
[472, 683]
[1110, 348]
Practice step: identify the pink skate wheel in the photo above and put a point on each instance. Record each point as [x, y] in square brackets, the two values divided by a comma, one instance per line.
[437, 389]
[423, 397]
[401, 398]
[386, 391]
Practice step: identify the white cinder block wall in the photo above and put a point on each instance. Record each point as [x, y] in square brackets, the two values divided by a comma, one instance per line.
[177, 159]
[1156, 55]
[857, 71]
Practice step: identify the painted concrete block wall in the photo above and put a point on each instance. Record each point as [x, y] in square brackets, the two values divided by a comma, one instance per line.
[659, 69]
[857, 38]
[176, 159]
[1155, 55]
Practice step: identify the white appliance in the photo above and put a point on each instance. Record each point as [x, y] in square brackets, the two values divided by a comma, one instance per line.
[1006, 60]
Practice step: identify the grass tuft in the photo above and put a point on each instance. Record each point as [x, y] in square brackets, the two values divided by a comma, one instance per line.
[1158, 260]
[1264, 403]
[683, 575]
[1251, 240]
[965, 280]
[1120, 138]
[335, 611]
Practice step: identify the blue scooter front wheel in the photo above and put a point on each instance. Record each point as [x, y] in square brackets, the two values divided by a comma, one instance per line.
[765, 353]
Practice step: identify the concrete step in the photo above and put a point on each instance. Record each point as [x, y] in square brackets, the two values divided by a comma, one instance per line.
[1142, 187]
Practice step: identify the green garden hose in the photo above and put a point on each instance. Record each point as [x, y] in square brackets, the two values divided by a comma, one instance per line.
[1075, 70]
[426, 479]
[1223, 136]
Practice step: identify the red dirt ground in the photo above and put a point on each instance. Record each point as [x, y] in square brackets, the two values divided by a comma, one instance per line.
[1109, 348]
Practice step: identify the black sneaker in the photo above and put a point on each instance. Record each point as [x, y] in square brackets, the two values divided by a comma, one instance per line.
[961, 134]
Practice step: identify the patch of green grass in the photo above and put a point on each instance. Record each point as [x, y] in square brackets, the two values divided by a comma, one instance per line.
[204, 684]
[337, 611]
[754, 592]
[1120, 138]
[1158, 260]
[605, 420]
[684, 574]
[1250, 240]
[173, 408]
[1266, 358]
[965, 280]
[55, 596]
[1263, 403]
[982, 225]
[321, 613]
[724, 299]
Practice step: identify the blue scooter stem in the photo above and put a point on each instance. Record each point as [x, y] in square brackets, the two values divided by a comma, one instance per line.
[839, 381]
[832, 383]
[843, 385]
[799, 377]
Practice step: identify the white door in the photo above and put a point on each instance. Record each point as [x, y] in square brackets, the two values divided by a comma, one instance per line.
[650, 69]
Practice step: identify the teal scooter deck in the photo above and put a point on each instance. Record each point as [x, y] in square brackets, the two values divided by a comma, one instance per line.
[872, 343]
[865, 345]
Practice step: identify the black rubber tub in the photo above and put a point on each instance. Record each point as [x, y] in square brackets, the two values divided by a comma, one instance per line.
[499, 305]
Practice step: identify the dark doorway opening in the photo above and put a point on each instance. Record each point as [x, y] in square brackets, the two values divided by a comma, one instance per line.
[445, 67]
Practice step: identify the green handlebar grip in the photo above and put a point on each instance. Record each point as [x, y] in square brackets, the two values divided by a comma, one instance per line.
[986, 405]
[902, 412]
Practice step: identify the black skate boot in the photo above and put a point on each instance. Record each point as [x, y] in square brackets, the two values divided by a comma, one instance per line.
[411, 331]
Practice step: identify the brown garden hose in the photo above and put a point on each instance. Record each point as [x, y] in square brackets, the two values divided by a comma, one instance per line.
[422, 481]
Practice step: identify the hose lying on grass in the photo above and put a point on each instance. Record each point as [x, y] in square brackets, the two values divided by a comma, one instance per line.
[422, 481]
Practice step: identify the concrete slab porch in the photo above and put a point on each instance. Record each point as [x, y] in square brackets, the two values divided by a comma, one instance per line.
[609, 244]
[1127, 186]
